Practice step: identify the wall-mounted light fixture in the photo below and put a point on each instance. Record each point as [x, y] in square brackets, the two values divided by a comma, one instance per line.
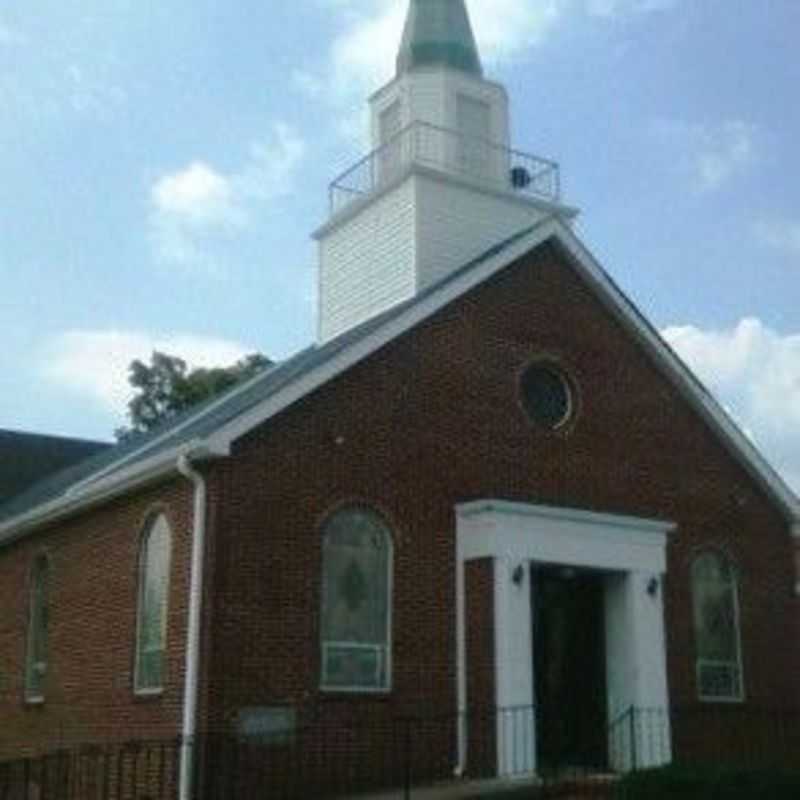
[652, 586]
[518, 575]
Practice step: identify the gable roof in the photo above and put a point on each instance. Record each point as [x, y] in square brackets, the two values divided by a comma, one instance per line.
[26, 458]
[209, 431]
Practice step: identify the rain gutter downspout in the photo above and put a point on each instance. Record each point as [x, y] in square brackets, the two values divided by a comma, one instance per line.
[191, 681]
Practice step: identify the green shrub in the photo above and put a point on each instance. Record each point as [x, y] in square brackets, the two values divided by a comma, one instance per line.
[714, 783]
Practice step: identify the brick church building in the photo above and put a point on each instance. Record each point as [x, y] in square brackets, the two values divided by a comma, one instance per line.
[488, 484]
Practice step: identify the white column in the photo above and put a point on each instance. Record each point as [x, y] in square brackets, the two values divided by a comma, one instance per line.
[516, 724]
[638, 699]
[461, 657]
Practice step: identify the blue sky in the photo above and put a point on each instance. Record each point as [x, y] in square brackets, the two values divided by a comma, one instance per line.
[163, 165]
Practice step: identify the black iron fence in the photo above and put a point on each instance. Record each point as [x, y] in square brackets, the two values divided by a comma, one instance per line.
[133, 770]
[348, 752]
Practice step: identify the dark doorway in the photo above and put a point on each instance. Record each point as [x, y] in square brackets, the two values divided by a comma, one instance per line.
[570, 667]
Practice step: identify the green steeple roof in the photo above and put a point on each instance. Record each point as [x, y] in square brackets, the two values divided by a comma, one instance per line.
[438, 33]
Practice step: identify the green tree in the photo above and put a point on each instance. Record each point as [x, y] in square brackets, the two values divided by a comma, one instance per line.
[166, 387]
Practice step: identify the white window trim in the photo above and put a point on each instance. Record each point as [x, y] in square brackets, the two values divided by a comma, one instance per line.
[383, 651]
[35, 700]
[139, 650]
[380, 690]
[155, 692]
[738, 661]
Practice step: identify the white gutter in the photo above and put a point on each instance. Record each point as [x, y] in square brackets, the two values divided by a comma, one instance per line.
[192, 672]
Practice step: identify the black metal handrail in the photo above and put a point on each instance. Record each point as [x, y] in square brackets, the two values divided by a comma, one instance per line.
[477, 160]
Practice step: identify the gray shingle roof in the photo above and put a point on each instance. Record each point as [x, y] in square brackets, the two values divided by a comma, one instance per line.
[27, 458]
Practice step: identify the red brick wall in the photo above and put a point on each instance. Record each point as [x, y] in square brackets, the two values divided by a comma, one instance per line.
[93, 591]
[431, 421]
[434, 420]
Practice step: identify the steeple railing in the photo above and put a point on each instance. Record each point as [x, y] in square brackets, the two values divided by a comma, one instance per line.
[479, 162]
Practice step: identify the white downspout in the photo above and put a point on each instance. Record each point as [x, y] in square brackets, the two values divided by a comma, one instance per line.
[461, 662]
[191, 681]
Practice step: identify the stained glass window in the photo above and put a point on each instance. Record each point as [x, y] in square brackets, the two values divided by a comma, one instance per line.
[39, 612]
[154, 568]
[356, 575]
[716, 625]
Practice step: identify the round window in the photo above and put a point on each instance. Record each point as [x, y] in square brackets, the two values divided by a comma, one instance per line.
[546, 396]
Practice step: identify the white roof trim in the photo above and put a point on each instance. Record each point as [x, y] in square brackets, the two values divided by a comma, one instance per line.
[552, 227]
[479, 507]
[361, 349]
[687, 382]
[414, 168]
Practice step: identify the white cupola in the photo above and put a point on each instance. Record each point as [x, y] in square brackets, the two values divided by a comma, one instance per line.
[441, 185]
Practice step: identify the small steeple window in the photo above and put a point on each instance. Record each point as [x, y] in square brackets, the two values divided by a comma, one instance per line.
[474, 128]
[391, 153]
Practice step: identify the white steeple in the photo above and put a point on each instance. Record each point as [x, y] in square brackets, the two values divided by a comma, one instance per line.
[441, 185]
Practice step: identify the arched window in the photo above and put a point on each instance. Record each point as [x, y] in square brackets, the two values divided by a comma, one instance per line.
[151, 634]
[38, 617]
[716, 624]
[356, 602]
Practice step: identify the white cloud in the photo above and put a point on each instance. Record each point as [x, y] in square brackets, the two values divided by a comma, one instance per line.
[710, 155]
[363, 54]
[755, 372]
[725, 152]
[199, 195]
[94, 363]
[198, 206]
[782, 234]
[270, 169]
[505, 29]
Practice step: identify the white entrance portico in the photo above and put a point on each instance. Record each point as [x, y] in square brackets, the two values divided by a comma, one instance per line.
[630, 555]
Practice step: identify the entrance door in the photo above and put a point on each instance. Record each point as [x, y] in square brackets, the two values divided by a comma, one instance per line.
[569, 668]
